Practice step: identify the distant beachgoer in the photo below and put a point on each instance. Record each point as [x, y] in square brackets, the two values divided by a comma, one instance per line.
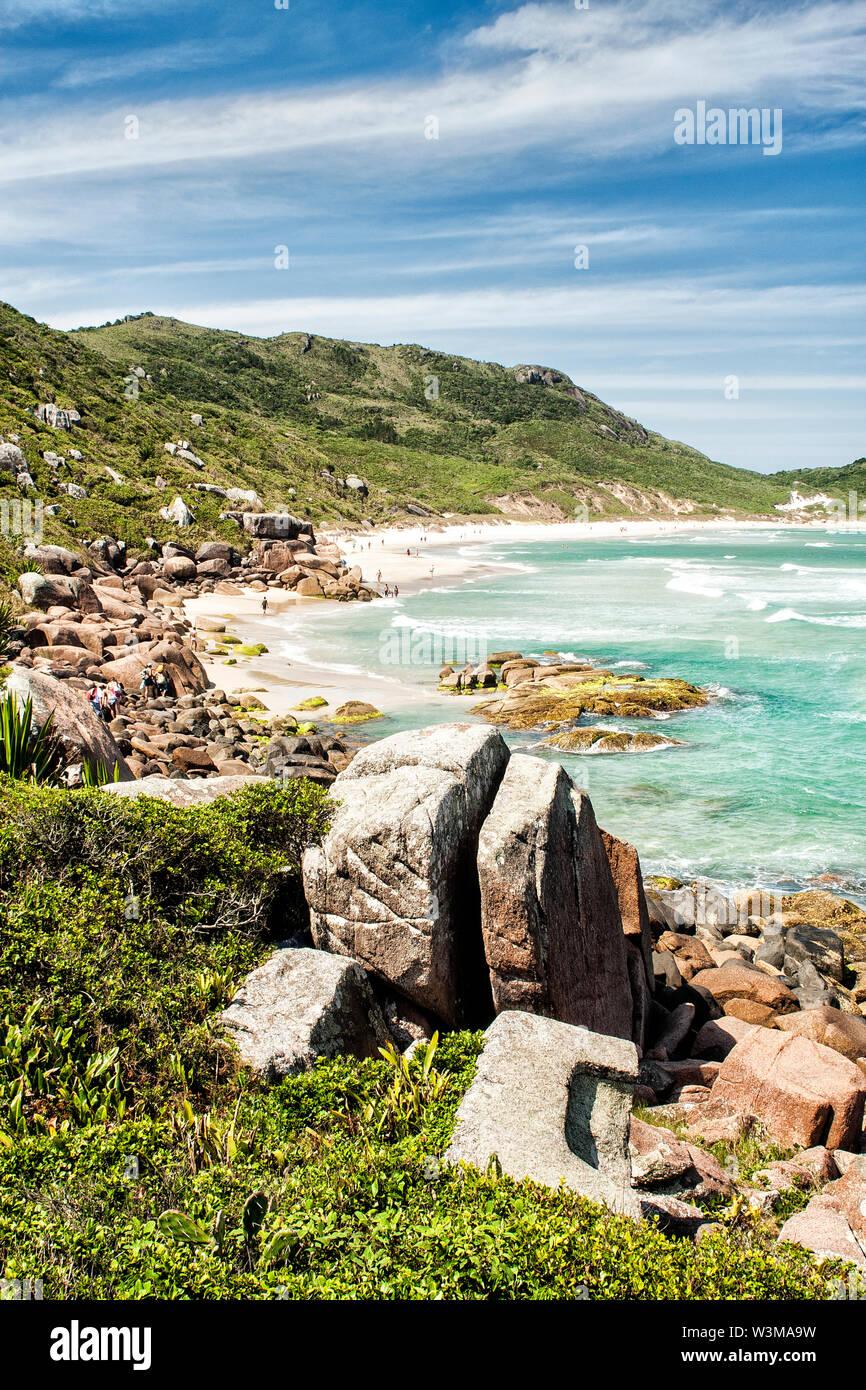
[379, 577]
[94, 695]
[264, 605]
[387, 592]
[396, 592]
[408, 551]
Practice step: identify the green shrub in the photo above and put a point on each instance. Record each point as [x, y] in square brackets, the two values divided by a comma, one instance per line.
[133, 920]
[315, 1202]
[7, 623]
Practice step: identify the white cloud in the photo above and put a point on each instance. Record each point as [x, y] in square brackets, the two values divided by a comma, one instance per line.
[592, 83]
[16, 13]
[779, 314]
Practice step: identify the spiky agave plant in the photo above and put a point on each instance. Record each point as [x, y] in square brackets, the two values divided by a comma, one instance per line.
[27, 752]
[6, 624]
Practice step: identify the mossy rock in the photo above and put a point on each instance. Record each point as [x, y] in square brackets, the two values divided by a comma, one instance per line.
[609, 741]
[314, 702]
[231, 662]
[822, 909]
[253, 649]
[558, 702]
[662, 881]
[356, 712]
[307, 729]
[231, 640]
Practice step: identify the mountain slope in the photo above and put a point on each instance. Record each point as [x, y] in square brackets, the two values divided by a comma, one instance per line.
[289, 416]
[449, 432]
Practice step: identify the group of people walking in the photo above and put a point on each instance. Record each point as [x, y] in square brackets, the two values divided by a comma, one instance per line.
[105, 700]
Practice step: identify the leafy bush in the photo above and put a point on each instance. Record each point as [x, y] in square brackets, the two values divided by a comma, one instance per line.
[137, 1160]
[315, 1203]
[133, 920]
[6, 623]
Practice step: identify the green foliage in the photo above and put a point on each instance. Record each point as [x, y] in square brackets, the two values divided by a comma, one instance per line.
[46, 1069]
[7, 623]
[397, 1110]
[134, 920]
[281, 410]
[324, 1204]
[25, 750]
[97, 774]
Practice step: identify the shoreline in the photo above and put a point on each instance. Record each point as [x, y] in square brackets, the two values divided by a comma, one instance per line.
[283, 685]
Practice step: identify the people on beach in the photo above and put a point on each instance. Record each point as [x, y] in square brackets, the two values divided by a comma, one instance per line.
[94, 695]
[264, 605]
[148, 680]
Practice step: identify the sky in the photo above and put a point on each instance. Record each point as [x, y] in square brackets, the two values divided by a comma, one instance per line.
[503, 181]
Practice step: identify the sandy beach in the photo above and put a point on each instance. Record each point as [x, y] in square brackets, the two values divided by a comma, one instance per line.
[410, 558]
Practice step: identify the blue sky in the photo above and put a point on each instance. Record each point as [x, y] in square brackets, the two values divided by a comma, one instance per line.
[306, 127]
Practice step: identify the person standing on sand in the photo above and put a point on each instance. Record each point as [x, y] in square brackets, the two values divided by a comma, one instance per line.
[264, 605]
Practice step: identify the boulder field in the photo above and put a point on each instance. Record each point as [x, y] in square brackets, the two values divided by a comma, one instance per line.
[461, 886]
[97, 616]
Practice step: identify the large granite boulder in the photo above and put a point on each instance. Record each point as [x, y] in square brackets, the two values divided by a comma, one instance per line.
[552, 1103]
[58, 591]
[471, 752]
[803, 1093]
[301, 1005]
[276, 526]
[80, 732]
[395, 884]
[844, 1033]
[550, 920]
[182, 666]
[738, 980]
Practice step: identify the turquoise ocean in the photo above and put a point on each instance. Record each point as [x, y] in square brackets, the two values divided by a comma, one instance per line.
[771, 785]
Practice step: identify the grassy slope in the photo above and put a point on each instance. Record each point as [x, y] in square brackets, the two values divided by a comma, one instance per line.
[837, 482]
[486, 435]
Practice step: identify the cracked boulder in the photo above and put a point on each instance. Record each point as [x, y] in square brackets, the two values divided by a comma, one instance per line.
[395, 884]
[551, 923]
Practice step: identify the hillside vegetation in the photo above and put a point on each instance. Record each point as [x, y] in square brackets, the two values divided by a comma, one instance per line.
[278, 413]
[287, 417]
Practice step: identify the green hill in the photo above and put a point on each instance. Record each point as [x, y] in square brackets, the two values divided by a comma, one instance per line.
[289, 416]
[836, 482]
